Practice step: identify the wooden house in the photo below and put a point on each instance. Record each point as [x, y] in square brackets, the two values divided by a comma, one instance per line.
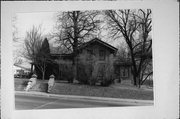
[92, 53]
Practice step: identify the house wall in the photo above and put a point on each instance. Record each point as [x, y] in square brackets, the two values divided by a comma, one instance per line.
[89, 54]
[123, 72]
[94, 62]
[63, 70]
[95, 56]
[96, 49]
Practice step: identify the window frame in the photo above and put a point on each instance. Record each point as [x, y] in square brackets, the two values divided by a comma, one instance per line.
[89, 54]
[102, 55]
[124, 72]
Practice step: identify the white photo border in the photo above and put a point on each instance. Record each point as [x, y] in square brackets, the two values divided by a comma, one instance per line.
[165, 61]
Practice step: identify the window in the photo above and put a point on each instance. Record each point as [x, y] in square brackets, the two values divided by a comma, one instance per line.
[101, 55]
[90, 54]
[124, 72]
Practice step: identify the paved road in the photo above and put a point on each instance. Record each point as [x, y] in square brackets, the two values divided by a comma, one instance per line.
[23, 102]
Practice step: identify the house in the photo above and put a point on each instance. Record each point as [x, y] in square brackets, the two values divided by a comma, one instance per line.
[98, 48]
[123, 69]
[98, 57]
[21, 70]
[95, 62]
[90, 55]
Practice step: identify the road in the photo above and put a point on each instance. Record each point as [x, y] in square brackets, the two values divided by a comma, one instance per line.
[26, 102]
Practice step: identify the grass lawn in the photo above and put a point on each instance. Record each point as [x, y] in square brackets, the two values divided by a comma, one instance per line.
[114, 91]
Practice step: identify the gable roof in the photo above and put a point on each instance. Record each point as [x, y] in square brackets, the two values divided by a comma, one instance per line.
[86, 44]
[97, 41]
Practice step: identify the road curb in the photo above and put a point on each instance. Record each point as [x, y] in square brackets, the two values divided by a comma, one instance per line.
[101, 99]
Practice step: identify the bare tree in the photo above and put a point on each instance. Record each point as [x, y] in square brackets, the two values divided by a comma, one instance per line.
[43, 57]
[32, 43]
[73, 27]
[135, 27]
[33, 49]
[123, 52]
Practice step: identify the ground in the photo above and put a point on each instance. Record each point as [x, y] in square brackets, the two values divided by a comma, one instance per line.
[30, 100]
[124, 90]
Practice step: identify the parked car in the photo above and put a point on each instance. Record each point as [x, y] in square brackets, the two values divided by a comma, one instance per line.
[24, 75]
[16, 75]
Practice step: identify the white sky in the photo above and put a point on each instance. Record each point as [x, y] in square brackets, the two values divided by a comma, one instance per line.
[25, 21]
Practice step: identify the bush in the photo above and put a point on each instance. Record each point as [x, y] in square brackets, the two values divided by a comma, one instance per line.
[107, 81]
[84, 73]
[25, 83]
[84, 70]
[88, 71]
[65, 70]
[43, 87]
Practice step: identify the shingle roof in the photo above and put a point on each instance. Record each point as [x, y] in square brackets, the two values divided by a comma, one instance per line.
[98, 41]
[53, 53]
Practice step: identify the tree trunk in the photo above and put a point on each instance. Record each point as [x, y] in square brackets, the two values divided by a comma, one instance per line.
[59, 74]
[74, 69]
[134, 67]
[75, 45]
[43, 74]
[75, 73]
[139, 81]
[134, 79]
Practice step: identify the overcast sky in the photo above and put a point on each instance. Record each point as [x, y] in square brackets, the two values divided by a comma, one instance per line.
[25, 21]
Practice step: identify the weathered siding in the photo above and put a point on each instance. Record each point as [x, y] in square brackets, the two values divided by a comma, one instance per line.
[96, 49]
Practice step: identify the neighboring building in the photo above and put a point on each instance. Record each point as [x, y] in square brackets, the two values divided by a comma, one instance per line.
[21, 70]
